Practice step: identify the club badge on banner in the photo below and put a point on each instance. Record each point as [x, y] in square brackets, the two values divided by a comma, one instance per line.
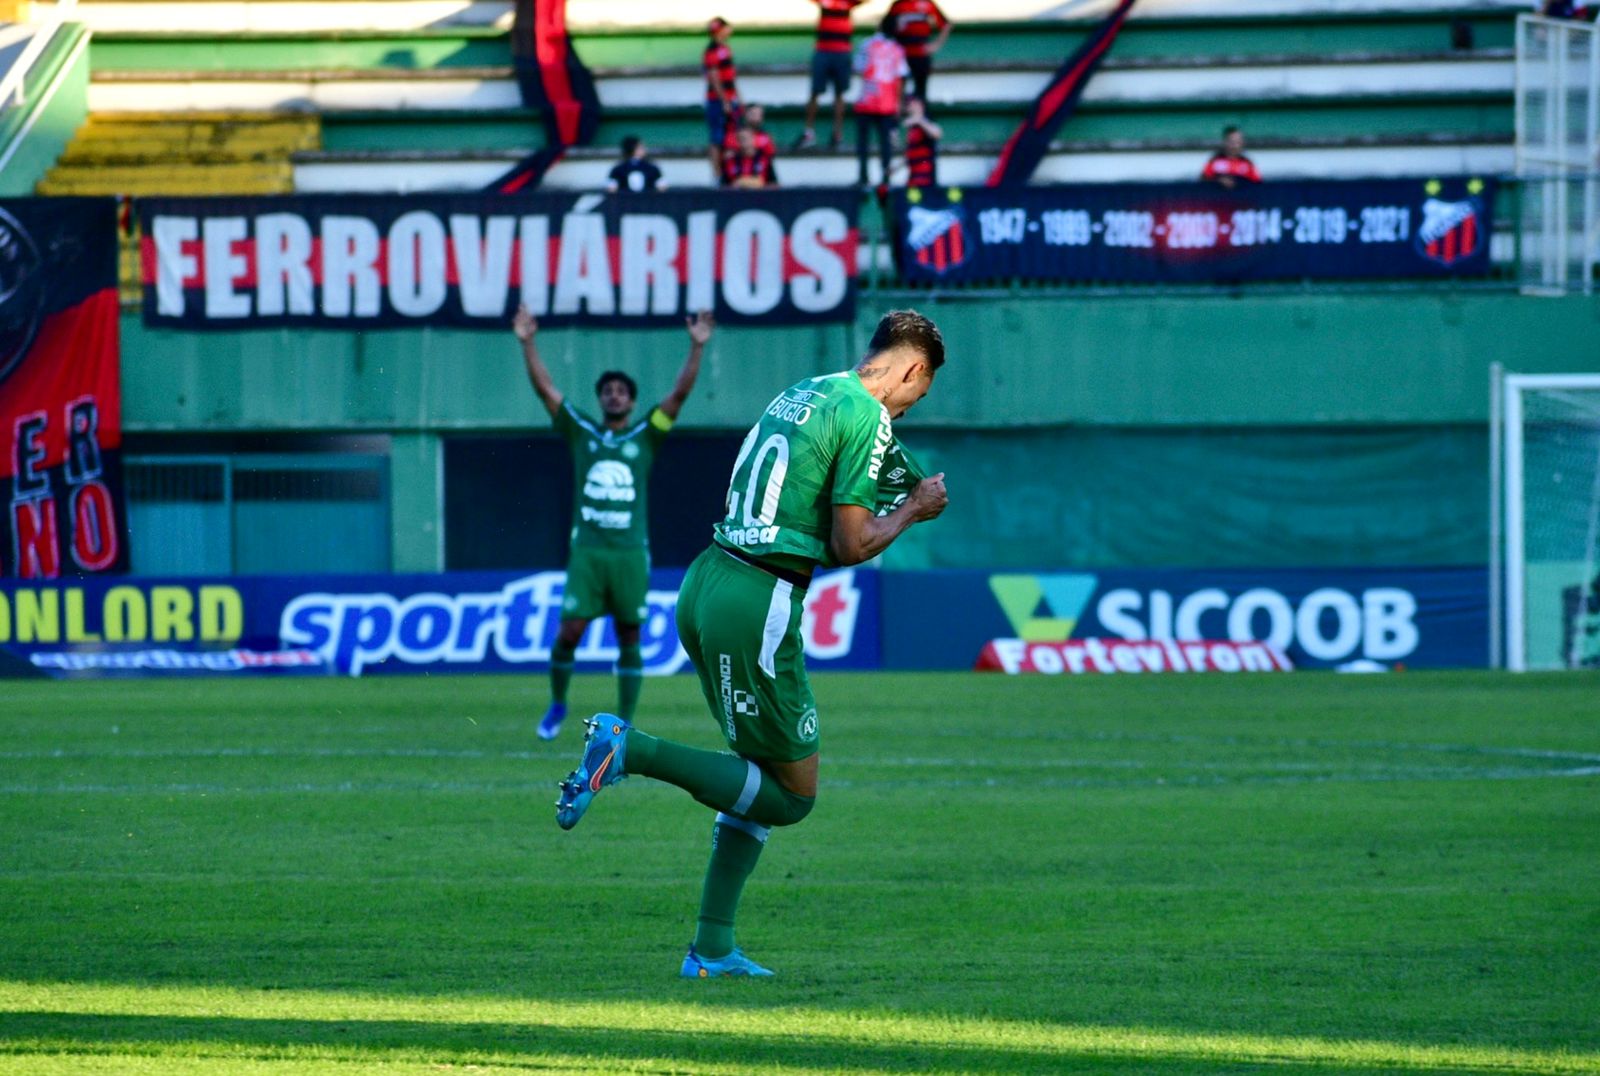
[360, 262]
[1196, 232]
[61, 502]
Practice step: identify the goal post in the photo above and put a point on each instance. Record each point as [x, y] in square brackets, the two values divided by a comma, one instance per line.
[1549, 467]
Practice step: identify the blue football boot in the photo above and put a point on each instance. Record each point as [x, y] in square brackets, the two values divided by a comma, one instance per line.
[551, 723]
[696, 966]
[604, 745]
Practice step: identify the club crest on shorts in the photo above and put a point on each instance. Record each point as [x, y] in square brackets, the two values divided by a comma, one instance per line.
[807, 728]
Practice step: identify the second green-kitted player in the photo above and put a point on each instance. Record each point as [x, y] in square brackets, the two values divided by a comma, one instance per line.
[608, 569]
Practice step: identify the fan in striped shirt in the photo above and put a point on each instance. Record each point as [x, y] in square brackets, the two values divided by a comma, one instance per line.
[830, 66]
[922, 144]
[923, 29]
[722, 95]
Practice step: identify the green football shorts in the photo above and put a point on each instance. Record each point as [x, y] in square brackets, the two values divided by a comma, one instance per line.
[607, 581]
[741, 628]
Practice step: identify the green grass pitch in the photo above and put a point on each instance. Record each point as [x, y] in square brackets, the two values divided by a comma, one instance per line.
[1305, 873]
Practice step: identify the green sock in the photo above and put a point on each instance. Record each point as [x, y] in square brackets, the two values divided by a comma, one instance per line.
[630, 678]
[735, 847]
[717, 779]
[561, 671]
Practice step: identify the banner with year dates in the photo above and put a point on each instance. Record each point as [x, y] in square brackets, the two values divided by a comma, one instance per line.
[1197, 232]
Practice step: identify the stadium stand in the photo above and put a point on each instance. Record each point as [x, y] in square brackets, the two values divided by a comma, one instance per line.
[400, 95]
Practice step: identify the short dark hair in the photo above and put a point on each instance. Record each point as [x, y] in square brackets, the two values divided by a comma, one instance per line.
[908, 327]
[617, 375]
[716, 24]
[630, 144]
[1230, 129]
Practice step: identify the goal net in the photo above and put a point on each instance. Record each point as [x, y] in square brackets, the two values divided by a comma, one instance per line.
[1552, 521]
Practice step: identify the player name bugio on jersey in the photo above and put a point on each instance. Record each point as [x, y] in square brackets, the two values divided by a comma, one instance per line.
[773, 507]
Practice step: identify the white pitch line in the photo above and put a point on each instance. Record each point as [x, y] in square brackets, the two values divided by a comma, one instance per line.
[1212, 780]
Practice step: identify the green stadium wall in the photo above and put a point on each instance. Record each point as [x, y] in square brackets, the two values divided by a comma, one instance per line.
[1311, 428]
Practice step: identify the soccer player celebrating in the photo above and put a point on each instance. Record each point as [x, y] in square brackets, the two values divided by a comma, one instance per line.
[814, 484]
[608, 569]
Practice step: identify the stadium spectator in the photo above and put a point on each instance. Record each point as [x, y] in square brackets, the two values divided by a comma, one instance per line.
[1229, 166]
[753, 117]
[922, 28]
[881, 63]
[747, 166]
[830, 66]
[636, 172]
[1566, 9]
[722, 95]
[922, 144]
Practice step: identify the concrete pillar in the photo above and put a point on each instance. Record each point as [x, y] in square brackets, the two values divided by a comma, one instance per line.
[416, 502]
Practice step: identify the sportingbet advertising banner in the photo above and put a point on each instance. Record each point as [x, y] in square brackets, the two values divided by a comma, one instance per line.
[61, 503]
[619, 260]
[1197, 232]
[363, 625]
[1226, 620]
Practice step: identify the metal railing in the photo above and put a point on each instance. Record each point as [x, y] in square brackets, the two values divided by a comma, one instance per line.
[13, 85]
[1558, 153]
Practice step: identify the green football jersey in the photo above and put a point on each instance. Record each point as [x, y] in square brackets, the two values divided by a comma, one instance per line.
[818, 444]
[611, 477]
[900, 475]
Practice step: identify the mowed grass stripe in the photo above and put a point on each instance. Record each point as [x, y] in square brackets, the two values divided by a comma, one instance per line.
[1171, 875]
[278, 1013]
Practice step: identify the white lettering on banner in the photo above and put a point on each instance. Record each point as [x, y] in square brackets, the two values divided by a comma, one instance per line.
[752, 262]
[283, 265]
[583, 271]
[813, 231]
[349, 267]
[415, 242]
[649, 247]
[1329, 624]
[224, 265]
[173, 266]
[655, 270]
[702, 261]
[483, 263]
[517, 625]
[1113, 656]
[535, 264]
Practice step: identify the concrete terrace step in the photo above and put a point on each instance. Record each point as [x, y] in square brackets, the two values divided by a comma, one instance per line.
[493, 89]
[243, 16]
[959, 165]
[256, 177]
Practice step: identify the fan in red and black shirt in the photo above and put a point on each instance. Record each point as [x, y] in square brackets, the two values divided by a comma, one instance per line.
[922, 144]
[722, 95]
[830, 66]
[747, 165]
[922, 29]
[1229, 167]
[753, 117]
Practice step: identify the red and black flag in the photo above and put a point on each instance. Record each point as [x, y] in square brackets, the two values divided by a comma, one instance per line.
[1031, 141]
[554, 81]
[61, 505]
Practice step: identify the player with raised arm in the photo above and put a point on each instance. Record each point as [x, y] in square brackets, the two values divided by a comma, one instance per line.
[608, 568]
[820, 480]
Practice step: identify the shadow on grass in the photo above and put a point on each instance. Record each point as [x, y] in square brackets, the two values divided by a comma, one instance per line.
[581, 1048]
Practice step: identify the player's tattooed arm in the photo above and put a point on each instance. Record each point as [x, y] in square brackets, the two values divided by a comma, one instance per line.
[700, 329]
[858, 535]
[526, 328]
